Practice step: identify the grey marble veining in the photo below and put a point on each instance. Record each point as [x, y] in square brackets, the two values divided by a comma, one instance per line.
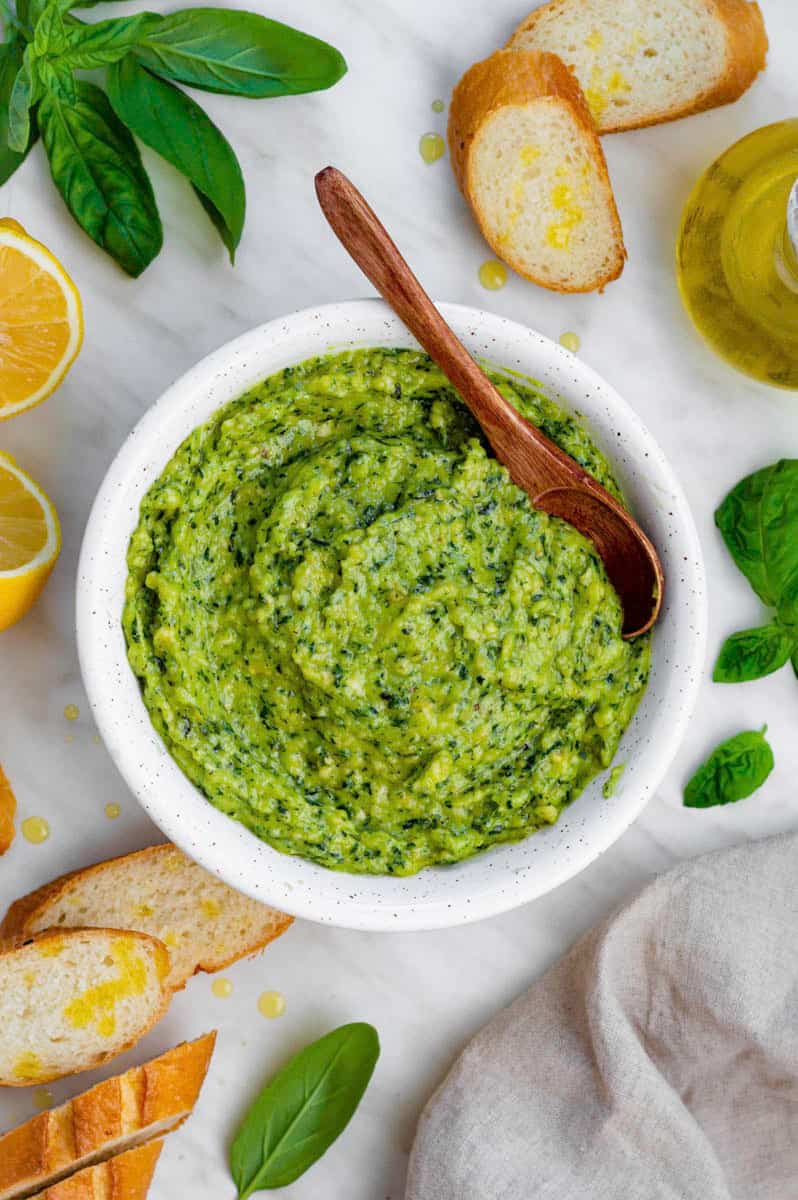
[427, 993]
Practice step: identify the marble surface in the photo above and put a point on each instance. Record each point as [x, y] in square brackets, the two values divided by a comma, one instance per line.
[426, 993]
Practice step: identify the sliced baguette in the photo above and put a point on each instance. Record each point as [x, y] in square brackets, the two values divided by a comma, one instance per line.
[205, 924]
[644, 61]
[527, 158]
[119, 1113]
[72, 999]
[8, 808]
[127, 1177]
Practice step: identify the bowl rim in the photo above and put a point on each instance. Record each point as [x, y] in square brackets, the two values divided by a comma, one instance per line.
[331, 897]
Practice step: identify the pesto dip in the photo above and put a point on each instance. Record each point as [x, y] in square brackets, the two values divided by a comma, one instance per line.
[357, 637]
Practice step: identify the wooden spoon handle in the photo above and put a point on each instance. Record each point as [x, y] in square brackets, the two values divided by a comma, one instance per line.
[371, 246]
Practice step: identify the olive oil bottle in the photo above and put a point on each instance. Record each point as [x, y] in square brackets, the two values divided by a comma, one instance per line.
[737, 255]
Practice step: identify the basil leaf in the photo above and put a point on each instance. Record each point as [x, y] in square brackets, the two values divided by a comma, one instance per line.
[171, 123]
[11, 55]
[105, 42]
[753, 654]
[733, 771]
[298, 1116]
[241, 53]
[24, 91]
[56, 77]
[759, 523]
[49, 37]
[96, 166]
[794, 661]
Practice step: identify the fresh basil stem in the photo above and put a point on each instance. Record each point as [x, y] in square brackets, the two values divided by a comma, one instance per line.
[734, 770]
[304, 1108]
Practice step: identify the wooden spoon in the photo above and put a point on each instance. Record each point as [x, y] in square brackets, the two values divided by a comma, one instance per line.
[554, 482]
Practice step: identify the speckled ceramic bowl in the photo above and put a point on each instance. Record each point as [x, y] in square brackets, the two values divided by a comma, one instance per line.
[498, 879]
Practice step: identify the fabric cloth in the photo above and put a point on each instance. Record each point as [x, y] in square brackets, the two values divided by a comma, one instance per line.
[657, 1061]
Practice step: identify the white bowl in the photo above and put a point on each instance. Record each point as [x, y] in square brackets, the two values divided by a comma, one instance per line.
[493, 881]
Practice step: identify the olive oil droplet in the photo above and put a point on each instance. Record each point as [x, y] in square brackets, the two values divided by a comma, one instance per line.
[431, 147]
[493, 275]
[570, 341]
[438, 106]
[271, 1004]
[71, 712]
[35, 830]
[112, 811]
[222, 988]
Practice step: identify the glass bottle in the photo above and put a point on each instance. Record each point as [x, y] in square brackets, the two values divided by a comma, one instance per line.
[737, 254]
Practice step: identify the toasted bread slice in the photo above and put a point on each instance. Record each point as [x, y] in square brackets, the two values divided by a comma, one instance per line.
[160, 891]
[72, 999]
[644, 61]
[127, 1177]
[526, 155]
[119, 1113]
[8, 808]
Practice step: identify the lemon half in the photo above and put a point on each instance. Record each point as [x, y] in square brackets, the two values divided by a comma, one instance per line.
[41, 321]
[30, 541]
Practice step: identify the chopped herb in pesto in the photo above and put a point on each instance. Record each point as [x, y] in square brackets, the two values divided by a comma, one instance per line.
[355, 634]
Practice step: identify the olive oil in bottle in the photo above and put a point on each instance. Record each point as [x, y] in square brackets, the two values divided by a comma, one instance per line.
[737, 255]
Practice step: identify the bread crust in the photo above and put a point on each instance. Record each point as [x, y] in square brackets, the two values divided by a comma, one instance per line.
[161, 955]
[8, 808]
[87, 1128]
[23, 913]
[746, 55]
[125, 1177]
[518, 77]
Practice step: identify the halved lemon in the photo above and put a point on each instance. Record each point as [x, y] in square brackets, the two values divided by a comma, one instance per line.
[30, 541]
[41, 321]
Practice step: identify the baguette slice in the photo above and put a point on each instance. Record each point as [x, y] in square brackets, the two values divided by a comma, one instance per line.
[116, 1115]
[644, 61]
[127, 1177]
[160, 891]
[70, 1000]
[526, 155]
[8, 808]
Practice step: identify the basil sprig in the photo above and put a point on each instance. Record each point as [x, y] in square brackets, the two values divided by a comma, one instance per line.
[94, 160]
[734, 770]
[759, 524]
[304, 1108]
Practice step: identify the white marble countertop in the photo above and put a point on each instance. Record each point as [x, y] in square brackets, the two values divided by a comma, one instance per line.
[426, 993]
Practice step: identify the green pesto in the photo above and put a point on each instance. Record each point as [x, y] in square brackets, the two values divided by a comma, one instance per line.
[610, 785]
[357, 637]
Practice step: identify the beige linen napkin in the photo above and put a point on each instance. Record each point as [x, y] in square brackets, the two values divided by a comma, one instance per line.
[658, 1060]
